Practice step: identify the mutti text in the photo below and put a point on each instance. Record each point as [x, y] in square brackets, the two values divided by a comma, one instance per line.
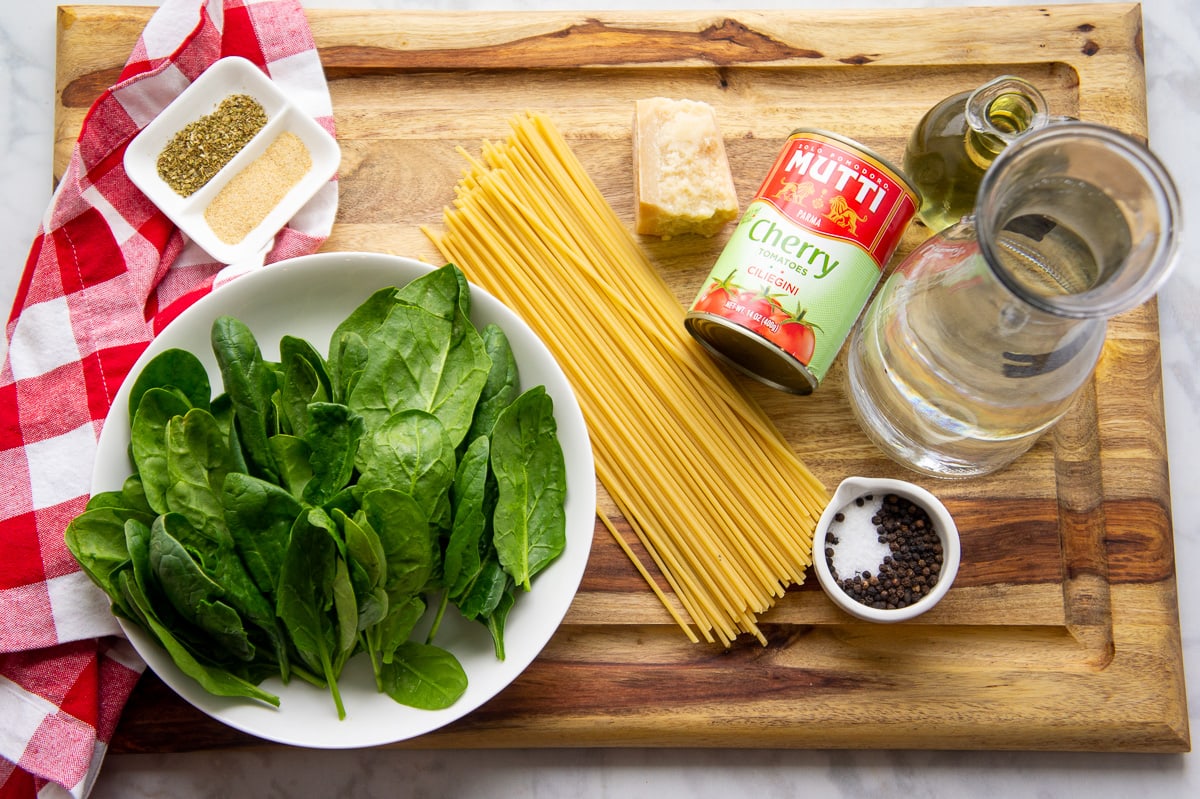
[839, 173]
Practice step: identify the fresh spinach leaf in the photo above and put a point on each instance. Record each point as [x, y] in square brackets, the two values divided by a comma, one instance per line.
[198, 459]
[292, 348]
[364, 319]
[215, 680]
[483, 592]
[96, 538]
[420, 361]
[383, 639]
[291, 457]
[410, 452]
[137, 541]
[173, 369]
[496, 620]
[530, 517]
[106, 499]
[345, 607]
[148, 443]
[215, 551]
[347, 344]
[192, 593]
[333, 442]
[408, 542]
[363, 546]
[299, 386]
[503, 383]
[133, 495]
[367, 567]
[259, 516]
[137, 544]
[424, 676]
[443, 292]
[305, 596]
[463, 551]
[346, 365]
[250, 383]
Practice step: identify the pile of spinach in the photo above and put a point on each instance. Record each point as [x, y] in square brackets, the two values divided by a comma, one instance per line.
[320, 507]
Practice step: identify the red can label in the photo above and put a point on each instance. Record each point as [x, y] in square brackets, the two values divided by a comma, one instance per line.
[831, 189]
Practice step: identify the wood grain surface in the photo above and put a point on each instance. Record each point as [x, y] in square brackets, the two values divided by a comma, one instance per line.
[1061, 631]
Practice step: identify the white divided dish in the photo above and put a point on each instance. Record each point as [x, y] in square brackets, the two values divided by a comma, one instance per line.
[226, 77]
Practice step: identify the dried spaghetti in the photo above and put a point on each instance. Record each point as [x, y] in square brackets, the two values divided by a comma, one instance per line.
[722, 504]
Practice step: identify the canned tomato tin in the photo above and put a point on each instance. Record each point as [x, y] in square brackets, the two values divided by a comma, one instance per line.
[803, 261]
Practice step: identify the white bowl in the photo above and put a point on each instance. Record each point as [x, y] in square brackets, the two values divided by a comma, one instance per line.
[308, 297]
[226, 77]
[850, 489]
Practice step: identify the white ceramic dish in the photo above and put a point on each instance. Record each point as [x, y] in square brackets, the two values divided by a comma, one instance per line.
[854, 487]
[307, 297]
[226, 77]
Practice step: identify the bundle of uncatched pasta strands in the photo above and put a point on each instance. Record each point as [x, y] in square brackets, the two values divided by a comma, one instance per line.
[718, 499]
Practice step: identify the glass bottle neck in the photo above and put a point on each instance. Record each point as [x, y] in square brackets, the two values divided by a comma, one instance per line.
[997, 113]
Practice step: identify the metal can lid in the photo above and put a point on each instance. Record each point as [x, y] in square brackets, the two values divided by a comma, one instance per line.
[750, 353]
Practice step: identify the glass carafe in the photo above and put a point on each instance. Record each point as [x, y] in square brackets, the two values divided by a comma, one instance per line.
[956, 141]
[981, 338]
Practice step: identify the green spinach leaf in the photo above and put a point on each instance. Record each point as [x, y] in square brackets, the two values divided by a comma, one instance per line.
[215, 680]
[483, 592]
[471, 518]
[251, 384]
[496, 619]
[443, 292]
[420, 361]
[333, 441]
[410, 452]
[530, 518]
[96, 538]
[503, 383]
[173, 369]
[408, 542]
[305, 596]
[198, 459]
[291, 456]
[259, 516]
[424, 676]
[302, 381]
[345, 607]
[347, 344]
[148, 443]
[192, 593]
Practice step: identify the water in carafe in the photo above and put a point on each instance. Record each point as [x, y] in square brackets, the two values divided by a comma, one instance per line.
[980, 340]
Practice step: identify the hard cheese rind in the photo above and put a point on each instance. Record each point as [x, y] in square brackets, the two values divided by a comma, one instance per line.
[681, 173]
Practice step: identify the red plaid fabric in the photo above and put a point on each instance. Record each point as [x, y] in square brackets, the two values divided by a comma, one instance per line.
[105, 273]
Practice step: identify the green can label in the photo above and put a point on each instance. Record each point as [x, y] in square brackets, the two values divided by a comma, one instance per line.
[809, 250]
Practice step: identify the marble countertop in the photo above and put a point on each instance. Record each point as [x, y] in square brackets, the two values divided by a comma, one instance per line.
[1172, 46]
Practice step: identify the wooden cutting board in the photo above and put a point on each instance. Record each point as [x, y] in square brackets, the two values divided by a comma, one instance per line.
[1061, 631]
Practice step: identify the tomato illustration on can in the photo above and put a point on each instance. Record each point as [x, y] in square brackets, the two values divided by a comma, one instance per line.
[806, 255]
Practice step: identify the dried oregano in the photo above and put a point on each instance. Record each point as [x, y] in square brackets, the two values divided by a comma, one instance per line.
[197, 152]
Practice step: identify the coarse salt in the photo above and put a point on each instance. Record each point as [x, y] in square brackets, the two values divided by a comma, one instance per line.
[858, 548]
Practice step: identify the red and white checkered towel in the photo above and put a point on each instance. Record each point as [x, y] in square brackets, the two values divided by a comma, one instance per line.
[106, 272]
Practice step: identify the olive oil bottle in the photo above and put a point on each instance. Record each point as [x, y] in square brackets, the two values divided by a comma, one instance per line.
[957, 140]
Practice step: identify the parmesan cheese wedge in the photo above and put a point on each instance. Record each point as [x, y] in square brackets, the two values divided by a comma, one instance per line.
[681, 173]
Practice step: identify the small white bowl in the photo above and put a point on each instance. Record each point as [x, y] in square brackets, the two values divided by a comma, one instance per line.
[228, 76]
[850, 489]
